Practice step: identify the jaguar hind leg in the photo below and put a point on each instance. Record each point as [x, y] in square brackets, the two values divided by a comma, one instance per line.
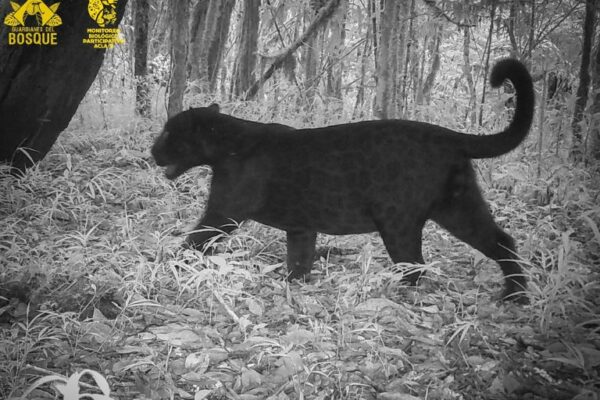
[466, 215]
[300, 253]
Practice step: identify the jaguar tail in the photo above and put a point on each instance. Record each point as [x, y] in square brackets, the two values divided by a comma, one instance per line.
[505, 141]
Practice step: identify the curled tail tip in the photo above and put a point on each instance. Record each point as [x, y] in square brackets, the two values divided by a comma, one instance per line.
[508, 68]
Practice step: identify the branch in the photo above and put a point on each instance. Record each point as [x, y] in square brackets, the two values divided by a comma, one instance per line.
[325, 12]
[438, 12]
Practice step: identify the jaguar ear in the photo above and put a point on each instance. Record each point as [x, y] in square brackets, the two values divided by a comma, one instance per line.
[214, 107]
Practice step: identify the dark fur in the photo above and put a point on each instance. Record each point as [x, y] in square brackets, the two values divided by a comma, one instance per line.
[388, 176]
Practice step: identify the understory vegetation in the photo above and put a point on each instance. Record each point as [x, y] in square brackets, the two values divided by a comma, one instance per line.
[92, 277]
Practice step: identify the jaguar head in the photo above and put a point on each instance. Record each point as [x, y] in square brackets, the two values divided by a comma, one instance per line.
[183, 143]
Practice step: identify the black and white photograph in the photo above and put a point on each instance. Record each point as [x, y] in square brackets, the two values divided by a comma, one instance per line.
[300, 199]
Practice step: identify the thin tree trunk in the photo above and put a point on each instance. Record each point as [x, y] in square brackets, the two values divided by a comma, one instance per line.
[542, 117]
[471, 109]
[375, 16]
[311, 59]
[179, 41]
[420, 72]
[435, 63]
[594, 138]
[208, 35]
[406, 44]
[195, 63]
[248, 43]
[335, 65]
[577, 149]
[531, 32]
[212, 42]
[512, 17]
[386, 58]
[360, 92]
[142, 99]
[487, 50]
[217, 45]
[396, 58]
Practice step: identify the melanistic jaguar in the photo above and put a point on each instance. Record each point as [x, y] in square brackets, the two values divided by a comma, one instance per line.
[389, 176]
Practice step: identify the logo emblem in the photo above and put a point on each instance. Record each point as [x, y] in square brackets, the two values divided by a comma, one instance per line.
[32, 23]
[44, 15]
[105, 34]
[104, 12]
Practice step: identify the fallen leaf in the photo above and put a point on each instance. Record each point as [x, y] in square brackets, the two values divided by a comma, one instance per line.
[178, 334]
[254, 306]
[250, 379]
[298, 336]
[197, 362]
[202, 394]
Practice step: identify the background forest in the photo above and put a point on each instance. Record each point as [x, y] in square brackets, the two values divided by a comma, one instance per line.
[97, 296]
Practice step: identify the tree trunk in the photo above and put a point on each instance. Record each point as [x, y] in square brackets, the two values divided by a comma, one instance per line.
[215, 37]
[209, 40]
[396, 60]
[246, 57]
[407, 43]
[311, 59]
[531, 32]
[360, 92]
[375, 15]
[512, 18]
[471, 109]
[41, 86]
[179, 41]
[386, 61]
[335, 66]
[487, 50]
[594, 138]
[195, 63]
[435, 64]
[577, 150]
[142, 100]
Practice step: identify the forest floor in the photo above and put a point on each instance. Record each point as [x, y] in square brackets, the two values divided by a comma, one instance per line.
[92, 277]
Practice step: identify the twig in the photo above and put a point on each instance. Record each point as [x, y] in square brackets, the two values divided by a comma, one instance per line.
[48, 372]
[229, 311]
[440, 13]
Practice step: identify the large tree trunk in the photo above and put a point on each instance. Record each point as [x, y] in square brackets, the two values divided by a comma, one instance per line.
[41, 86]
[246, 57]
[179, 41]
[142, 99]
[584, 81]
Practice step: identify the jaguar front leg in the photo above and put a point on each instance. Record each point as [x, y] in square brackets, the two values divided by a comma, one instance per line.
[210, 226]
[300, 254]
